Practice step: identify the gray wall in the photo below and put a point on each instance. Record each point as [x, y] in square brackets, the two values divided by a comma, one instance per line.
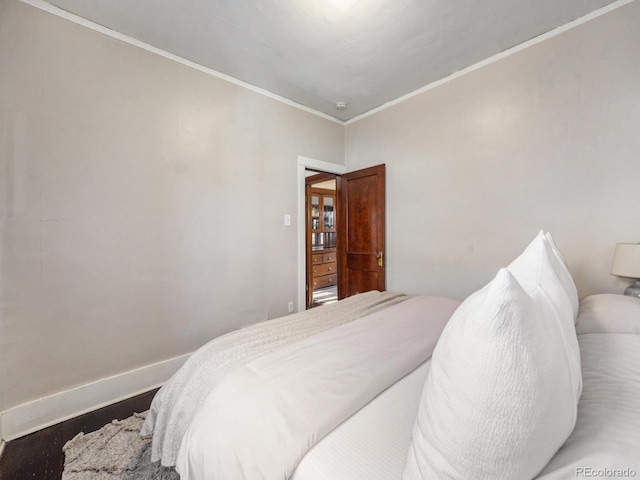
[547, 138]
[141, 204]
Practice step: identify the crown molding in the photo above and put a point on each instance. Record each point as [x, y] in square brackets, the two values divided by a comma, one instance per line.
[495, 58]
[47, 7]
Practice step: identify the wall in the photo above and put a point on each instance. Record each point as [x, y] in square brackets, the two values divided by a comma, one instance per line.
[141, 204]
[546, 138]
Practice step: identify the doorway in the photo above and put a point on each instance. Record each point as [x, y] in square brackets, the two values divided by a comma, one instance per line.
[360, 228]
[304, 164]
[321, 238]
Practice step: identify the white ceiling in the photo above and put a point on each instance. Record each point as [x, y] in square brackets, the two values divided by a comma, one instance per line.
[319, 52]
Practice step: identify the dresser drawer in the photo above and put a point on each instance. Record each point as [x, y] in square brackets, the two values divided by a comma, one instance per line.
[316, 258]
[324, 269]
[325, 281]
[328, 257]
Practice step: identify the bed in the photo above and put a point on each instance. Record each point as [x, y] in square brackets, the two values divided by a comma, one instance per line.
[517, 381]
[606, 437]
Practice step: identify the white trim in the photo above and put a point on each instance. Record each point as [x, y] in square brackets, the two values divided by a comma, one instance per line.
[303, 164]
[44, 412]
[321, 166]
[47, 7]
[495, 58]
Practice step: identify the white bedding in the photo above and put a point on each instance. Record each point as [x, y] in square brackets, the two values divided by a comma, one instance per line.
[372, 444]
[177, 402]
[607, 432]
[261, 419]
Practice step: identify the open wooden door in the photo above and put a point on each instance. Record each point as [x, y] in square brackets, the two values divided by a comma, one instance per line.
[361, 231]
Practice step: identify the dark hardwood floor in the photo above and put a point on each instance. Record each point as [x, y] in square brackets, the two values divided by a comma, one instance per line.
[39, 456]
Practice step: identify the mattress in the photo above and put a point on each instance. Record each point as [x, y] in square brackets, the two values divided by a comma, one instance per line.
[373, 443]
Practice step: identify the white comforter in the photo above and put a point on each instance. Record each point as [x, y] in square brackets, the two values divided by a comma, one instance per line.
[177, 402]
[260, 420]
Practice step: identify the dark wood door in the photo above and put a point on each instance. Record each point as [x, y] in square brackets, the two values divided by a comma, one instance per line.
[362, 231]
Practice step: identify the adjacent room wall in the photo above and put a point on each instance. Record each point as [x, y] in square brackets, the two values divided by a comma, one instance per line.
[141, 204]
[546, 138]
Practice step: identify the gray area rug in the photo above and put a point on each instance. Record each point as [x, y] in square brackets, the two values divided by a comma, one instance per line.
[115, 452]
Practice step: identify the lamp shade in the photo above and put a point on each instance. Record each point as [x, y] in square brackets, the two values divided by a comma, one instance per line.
[626, 260]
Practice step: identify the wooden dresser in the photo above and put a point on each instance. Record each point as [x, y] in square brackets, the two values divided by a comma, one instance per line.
[324, 269]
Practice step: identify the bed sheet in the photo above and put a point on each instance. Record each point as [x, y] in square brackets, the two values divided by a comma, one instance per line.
[605, 442]
[373, 443]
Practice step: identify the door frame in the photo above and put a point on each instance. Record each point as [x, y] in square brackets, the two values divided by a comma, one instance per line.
[305, 163]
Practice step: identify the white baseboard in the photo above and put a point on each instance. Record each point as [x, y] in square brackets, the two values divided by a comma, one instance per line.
[44, 412]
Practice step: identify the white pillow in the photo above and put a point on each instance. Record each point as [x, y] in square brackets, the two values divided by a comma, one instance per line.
[609, 313]
[538, 267]
[525, 269]
[498, 401]
[565, 275]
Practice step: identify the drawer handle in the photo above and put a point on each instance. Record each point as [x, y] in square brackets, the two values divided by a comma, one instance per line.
[329, 269]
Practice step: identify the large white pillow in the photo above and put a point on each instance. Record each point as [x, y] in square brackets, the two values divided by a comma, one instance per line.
[498, 401]
[538, 267]
[542, 248]
[564, 274]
